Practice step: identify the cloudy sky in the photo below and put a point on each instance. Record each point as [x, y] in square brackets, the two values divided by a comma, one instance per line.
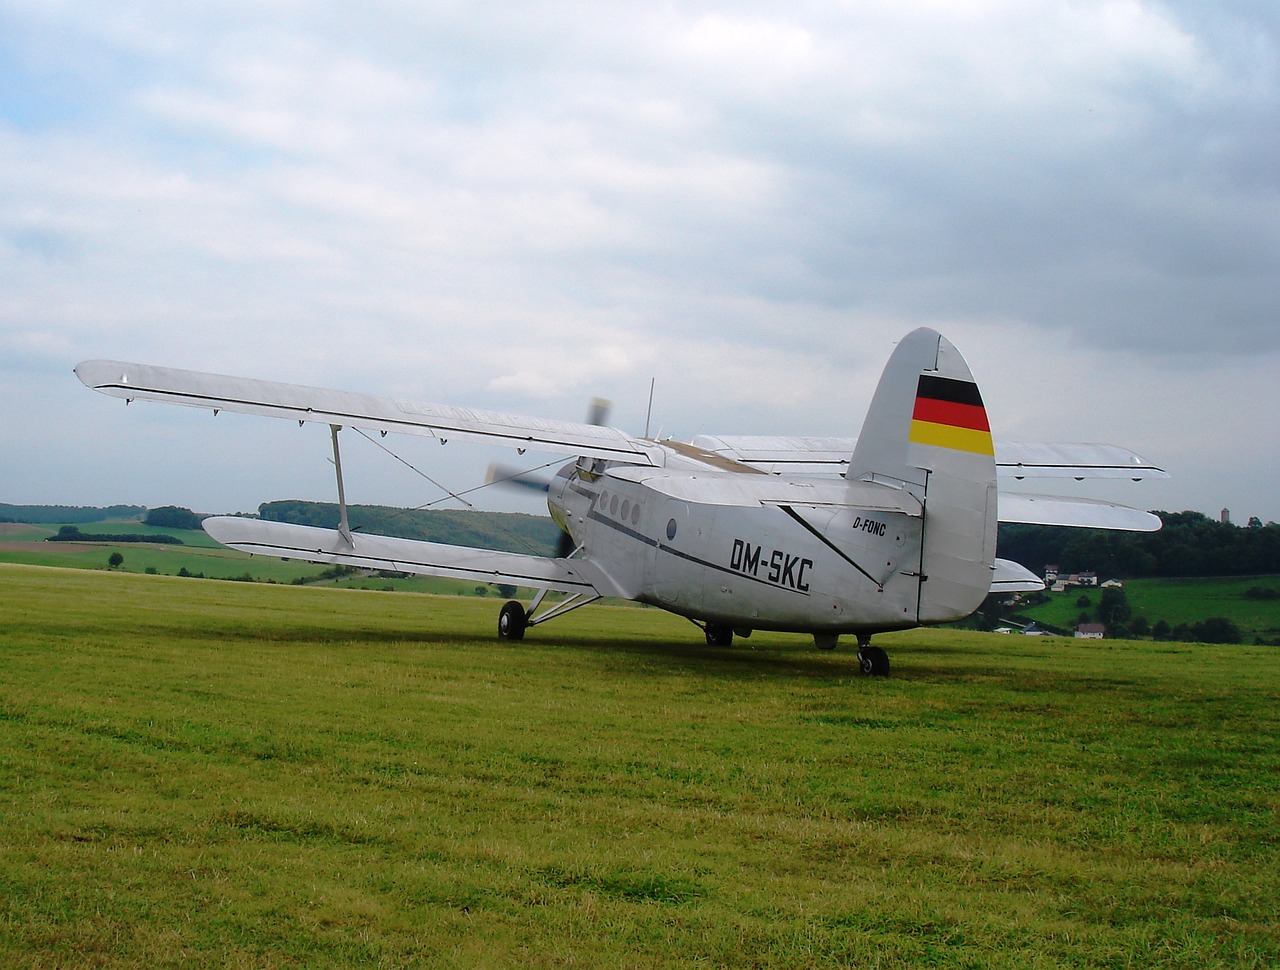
[520, 205]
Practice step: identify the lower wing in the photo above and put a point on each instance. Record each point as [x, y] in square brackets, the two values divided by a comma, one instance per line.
[414, 556]
[1012, 577]
[1080, 512]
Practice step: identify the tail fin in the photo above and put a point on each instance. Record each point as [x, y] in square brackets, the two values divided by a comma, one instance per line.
[927, 431]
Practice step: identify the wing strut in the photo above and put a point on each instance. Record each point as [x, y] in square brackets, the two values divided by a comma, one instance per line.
[344, 527]
[566, 605]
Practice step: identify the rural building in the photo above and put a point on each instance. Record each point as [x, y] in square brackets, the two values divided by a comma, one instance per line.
[1090, 631]
[1061, 581]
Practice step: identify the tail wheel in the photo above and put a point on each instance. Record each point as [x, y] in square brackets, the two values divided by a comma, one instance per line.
[512, 621]
[719, 636]
[873, 661]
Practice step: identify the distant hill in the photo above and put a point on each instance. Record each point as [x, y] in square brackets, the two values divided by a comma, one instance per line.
[503, 531]
[69, 513]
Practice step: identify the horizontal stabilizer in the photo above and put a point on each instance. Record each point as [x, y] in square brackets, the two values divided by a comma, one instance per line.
[1012, 577]
[1080, 512]
[413, 556]
[219, 392]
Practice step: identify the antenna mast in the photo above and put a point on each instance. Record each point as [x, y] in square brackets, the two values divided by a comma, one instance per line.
[649, 414]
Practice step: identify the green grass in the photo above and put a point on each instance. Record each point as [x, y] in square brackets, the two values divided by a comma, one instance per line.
[1188, 600]
[1177, 601]
[214, 774]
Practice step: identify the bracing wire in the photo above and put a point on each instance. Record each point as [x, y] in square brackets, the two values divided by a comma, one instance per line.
[449, 494]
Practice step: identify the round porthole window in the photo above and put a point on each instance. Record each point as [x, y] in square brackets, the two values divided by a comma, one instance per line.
[671, 529]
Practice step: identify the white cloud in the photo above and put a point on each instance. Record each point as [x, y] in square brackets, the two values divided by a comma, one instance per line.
[529, 204]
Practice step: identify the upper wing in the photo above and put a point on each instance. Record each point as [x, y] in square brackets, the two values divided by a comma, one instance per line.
[782, 454]
[1081, 512]
[800, 455]
[400, 555]
[142, 382]
[1078, 460]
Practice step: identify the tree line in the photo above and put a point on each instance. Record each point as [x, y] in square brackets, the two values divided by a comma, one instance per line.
[53, 514]
[72, 533]
[1189, 544]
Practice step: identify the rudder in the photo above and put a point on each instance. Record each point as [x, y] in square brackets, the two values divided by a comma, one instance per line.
[927, 431]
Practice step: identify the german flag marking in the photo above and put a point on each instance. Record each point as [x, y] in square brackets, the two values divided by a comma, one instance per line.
[944, 412]
[948, 413]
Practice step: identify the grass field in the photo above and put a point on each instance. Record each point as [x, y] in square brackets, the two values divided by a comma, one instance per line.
[220, 774]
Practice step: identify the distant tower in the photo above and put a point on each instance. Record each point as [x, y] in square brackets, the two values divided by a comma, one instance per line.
[1226, 517]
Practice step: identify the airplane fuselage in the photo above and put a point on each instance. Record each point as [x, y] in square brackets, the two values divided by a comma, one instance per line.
[746, 551]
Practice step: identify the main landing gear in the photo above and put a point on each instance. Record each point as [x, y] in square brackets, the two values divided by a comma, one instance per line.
[872, 660]
[514, 619]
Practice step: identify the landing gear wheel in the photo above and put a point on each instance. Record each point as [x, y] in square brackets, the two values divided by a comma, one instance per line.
[512, 621]
[719, 636]
[873, 661]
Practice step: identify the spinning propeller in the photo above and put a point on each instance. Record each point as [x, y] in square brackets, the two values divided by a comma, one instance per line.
[498, 474]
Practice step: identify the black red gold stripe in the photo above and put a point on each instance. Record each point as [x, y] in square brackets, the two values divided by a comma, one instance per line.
[949, 413]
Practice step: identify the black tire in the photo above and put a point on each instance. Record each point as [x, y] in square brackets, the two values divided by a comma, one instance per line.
[719, 636]
[512, 621]
[873, 661]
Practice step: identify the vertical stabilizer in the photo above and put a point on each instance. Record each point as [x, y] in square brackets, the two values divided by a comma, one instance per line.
[927, 431]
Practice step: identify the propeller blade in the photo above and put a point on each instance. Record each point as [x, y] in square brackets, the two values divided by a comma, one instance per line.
[598, 411]
[506, 475]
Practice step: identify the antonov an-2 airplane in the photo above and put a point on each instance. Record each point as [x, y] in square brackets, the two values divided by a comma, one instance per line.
[891, 530]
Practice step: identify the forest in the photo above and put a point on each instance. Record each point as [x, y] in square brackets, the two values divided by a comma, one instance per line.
[1189, 544]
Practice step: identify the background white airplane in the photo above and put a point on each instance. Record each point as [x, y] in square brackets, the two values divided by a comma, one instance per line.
[891, 530]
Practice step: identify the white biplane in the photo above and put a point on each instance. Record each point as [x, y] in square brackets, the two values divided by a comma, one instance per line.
[891, 530]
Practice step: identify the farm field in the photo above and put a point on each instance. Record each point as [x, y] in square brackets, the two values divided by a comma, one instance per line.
[199, 773]
[1177, 601]
[198, 555]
